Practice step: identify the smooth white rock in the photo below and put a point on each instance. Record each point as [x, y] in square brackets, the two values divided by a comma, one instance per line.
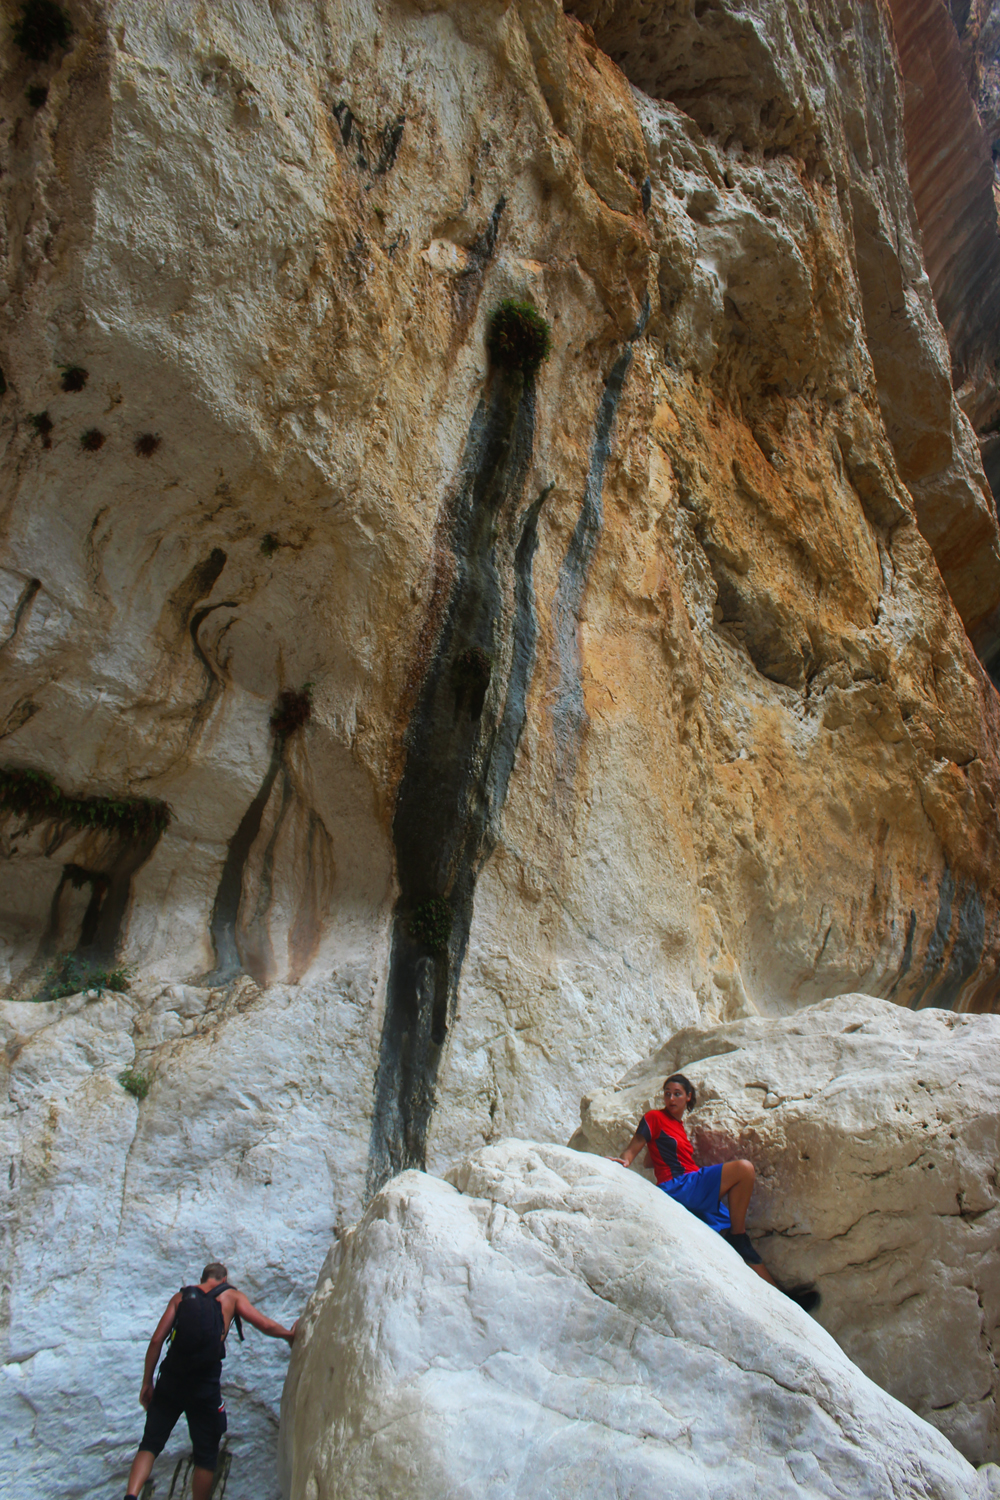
[249, 1146]
[546, 1325]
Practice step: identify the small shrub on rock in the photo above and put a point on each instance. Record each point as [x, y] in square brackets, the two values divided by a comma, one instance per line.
[430, 924]
[92, 440]
[37, 95]
[146, 444]
[269, 544]
[519, 337]
[70, 975]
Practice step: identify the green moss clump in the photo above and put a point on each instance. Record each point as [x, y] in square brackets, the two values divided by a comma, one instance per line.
[519, 337]
[269, 544]
[292, 710]
[136, 1084]
[35, 796]
[41, 27]
[430, 924]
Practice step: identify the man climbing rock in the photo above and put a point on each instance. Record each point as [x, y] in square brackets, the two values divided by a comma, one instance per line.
[197, 1320]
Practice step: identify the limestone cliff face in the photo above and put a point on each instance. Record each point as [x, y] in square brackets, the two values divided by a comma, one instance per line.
[659, 670]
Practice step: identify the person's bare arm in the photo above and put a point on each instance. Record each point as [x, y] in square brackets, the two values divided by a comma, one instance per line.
[636, 1144]
[163, 1327]
[274, 1330]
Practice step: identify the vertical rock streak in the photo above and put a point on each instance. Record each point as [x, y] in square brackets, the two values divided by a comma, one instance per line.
[460, 750]
[568, 713]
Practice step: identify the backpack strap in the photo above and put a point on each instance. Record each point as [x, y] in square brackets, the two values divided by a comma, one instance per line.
[225, 1287]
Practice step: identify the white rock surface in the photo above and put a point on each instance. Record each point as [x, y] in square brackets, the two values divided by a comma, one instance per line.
[249, 1138]
[876, 1136]
[549, 1326]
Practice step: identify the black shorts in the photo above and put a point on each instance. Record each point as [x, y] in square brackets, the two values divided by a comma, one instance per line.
[200, 1399]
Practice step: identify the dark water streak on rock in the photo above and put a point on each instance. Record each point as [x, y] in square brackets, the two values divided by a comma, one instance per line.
[460, 751]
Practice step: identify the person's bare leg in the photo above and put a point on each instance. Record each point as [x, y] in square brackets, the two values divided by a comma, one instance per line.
[764, 1273]
[201, 1483]
[737, 1180]
[140, 1471]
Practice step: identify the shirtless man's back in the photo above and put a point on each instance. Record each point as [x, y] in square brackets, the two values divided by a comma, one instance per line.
[198, 1319]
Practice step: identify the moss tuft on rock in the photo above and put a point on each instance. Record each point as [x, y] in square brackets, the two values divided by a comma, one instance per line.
[92, 440]
[292, 710]
[430, 924]
[146, 444]
[43, 425]
[519, 337]
[136, 1084]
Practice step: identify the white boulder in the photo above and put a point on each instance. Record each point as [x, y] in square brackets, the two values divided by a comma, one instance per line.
[547, 1325]
[876, 1136]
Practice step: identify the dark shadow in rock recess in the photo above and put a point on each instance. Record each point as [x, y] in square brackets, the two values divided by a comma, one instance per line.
[460, 751]
[226, 907]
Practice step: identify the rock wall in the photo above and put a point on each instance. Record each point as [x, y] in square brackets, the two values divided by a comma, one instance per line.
[725, 565]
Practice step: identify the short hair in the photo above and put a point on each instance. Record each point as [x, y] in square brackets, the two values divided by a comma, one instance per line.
[686, 1085]
[215, 1271]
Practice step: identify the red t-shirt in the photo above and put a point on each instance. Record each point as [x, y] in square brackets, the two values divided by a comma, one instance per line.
[669, 1148]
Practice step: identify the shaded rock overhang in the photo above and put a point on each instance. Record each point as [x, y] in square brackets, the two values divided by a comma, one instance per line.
[951, 175]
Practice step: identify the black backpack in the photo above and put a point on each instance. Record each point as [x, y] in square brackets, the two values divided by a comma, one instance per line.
[198, 1337]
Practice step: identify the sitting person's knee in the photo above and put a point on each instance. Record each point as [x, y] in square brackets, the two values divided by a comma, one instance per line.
[746, 1170]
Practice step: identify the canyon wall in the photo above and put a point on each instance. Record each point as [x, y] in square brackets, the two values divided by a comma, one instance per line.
[433, 738]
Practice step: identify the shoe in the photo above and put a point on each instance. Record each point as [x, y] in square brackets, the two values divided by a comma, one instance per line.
[741, 1244]
[807, 1297]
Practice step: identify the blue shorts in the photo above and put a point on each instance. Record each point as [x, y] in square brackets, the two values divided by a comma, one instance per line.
[700, 1193]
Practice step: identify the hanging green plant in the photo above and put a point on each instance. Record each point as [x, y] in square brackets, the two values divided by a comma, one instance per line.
[35, 796]
[519, 337]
